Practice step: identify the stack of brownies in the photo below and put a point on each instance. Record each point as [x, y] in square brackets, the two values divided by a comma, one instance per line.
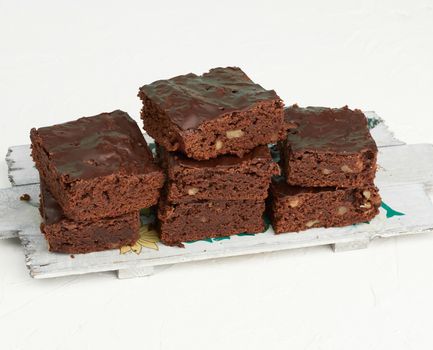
[213, 169]
[212, 133]
[329, 164]
[96, 174]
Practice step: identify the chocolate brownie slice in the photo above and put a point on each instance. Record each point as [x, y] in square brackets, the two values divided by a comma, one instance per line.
[328, 147]
[294, 208]
[220, 112]
[226, 177]
[74, 237]
[97, 166]
[190, 221]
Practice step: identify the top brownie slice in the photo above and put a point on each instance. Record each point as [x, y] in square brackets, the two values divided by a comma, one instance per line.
[220, 112]
[97, 166]
[328, 147]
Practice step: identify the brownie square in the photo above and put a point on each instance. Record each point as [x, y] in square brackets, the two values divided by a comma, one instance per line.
[97, 166]
[226, 177]
[328, 147]
[220, 112]
[73, 237]
[190, 221]
[295, 208]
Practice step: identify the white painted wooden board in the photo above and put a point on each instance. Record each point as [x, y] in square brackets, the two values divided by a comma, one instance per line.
[21, 169]
[17, 215]
[380, 131]
[404, 179]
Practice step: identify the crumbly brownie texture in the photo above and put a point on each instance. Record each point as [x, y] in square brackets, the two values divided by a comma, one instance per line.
[219, 112]
[97, 166]
[224, 178]
[74, 237]
[294, 208]
[329, 147]
[193, 221]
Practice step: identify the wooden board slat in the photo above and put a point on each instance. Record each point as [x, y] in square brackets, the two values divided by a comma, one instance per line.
[405, 164]
[17, 215]
[21, 170]
[380, 131]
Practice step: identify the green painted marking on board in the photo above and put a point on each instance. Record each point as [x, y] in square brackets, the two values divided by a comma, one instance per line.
[209, 240]
[267, 222]
[372, 122]
[389, 211]
[221, 238]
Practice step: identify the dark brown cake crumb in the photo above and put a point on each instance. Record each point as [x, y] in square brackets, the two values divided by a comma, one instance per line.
[25, 197]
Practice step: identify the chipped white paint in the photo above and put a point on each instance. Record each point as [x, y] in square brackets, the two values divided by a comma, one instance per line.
[21, 169]
[408, 163]
[381, 133]
[17, 215]
[404, 179]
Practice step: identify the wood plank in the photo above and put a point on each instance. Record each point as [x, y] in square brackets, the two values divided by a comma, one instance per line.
[17, 215]
[380, 131]
[405, 164]
[21, 170]
[136, 271]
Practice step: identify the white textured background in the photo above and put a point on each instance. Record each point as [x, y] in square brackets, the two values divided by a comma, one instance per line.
[61, 60]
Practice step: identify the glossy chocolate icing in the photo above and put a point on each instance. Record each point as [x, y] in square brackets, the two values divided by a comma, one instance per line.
[323, 129]
[190, 100]
[108, 143]
[224, 161]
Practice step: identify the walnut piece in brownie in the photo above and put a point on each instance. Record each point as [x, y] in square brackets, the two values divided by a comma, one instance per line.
[295, 208]
[220, 112]
[226, 177]
[328, 147]
[97, 166]
[190, 221]
[68, 236]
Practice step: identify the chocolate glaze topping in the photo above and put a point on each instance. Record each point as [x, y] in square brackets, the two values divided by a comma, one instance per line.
[328, 129]
[108, 143]
[224, 161]
[190, 100]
